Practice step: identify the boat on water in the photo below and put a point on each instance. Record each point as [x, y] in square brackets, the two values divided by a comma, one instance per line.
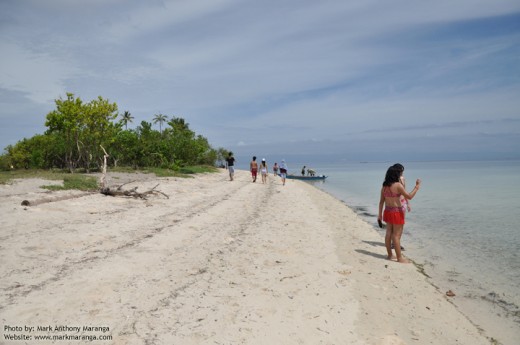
[306, 178]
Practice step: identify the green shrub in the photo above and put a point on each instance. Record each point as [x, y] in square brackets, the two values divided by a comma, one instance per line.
[5, 165]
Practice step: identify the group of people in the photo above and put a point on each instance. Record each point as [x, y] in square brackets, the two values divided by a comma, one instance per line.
[264, 170]
[396, 200]
[254, 167]
[310, 172]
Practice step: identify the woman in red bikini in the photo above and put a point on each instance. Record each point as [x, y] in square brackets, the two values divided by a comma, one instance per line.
[393, 215]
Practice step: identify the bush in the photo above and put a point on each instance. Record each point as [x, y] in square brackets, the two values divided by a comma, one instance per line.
[5, 164]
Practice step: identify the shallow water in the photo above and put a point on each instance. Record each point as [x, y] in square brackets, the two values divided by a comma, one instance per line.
[462, 228]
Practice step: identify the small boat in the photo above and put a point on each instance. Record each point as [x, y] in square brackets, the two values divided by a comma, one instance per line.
[306, 178]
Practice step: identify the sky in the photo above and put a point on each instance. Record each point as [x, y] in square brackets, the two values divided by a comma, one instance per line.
[350, 80]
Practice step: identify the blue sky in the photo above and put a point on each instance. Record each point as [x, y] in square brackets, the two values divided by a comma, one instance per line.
[358, 80]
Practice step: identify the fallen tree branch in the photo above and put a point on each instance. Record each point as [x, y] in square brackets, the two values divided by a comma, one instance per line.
[121, 186]
[119, 191]
[131, 193]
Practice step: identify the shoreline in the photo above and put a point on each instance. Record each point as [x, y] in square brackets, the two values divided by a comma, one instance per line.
[488, 310]
[217, 262]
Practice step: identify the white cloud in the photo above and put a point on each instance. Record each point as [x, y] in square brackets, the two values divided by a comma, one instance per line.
[246, 71]
[147, 18]
[40, 76]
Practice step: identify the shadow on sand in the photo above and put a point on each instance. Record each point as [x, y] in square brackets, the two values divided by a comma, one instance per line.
[374, 243]
[376, 255]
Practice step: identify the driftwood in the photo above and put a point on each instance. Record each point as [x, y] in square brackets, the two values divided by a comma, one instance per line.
[104, 189]
[119, 191]
[131, 192]
[58, 198]
[103, 179]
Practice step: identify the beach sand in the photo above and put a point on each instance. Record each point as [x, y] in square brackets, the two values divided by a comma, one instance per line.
[219, 262]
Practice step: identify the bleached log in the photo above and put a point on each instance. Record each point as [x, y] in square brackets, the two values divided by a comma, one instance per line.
[103, 179]
[57, 198]
[132, 192]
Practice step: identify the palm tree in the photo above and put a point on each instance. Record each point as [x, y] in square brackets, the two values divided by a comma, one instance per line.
[126, 117]
[161, 119]
[179, 123]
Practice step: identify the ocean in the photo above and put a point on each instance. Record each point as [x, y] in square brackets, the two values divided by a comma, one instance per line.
[463, 230]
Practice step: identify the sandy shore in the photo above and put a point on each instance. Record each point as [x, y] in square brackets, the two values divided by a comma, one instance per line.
[219, 262]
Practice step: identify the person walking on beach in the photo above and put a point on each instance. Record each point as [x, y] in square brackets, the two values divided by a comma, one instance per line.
[275, 169]
[264, 170]
[230, 165]
[283, 171]
[391, 193]
[253, 166]
[303, 170]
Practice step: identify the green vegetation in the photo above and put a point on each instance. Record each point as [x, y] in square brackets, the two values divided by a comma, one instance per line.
[86, 183]
[70, 181]
[6, 176]
[77, 132]
[76, 181]
[181, 172]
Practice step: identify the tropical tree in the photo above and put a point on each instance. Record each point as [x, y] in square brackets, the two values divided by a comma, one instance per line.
[5, 161]
[150, 143]
[37, 152]
[84, 128]
[19, 155]
[181, 140]
[99, 129]
[161, 119]
[126, 118]
[76, 131]
[65, 121]
[125, 149]
[178, 123]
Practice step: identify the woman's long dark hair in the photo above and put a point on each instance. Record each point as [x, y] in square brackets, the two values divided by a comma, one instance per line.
[399, 167]
[392, 176]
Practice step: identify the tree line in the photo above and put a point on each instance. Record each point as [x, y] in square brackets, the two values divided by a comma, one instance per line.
[78, 131]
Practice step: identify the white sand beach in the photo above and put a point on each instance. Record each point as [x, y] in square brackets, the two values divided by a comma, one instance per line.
[219, 262]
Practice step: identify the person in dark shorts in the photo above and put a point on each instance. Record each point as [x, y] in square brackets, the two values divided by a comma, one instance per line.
[230, 165]
[283, 171]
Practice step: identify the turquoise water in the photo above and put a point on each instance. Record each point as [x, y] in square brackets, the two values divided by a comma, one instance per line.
[464, 229]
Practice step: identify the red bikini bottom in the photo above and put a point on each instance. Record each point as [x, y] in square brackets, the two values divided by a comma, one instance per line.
[394, 215]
